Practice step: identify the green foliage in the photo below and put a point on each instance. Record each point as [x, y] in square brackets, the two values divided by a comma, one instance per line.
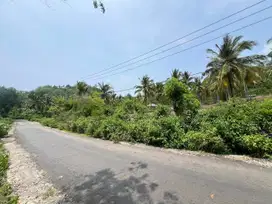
[171, 132]
[9, 98]
[175, 91]
[6, 196]
[203, 141]
[265, 116]
[162, 111]
[182, 100]
[235, 119]
[109, 128]
[5, 125]
[257, 145]
[50, 122]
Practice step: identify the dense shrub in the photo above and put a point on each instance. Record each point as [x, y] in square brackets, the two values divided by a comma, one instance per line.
[171, 131]
[257, 145]
[162, 111]
[236, 126]
[200, 141]
[6, 196]
[234, 119]
[50, 122]
[265, 116]
[5, 125]
[93, 125]
[109, 127]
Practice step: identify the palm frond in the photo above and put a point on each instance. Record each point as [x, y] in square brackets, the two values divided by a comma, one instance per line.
[212, 52]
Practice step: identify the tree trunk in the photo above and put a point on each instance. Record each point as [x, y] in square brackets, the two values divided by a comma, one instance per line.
[230, 84]
[217, 98]
[246, 91]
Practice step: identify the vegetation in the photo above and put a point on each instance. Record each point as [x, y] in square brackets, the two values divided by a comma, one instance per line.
[168, 114]
[6, 196]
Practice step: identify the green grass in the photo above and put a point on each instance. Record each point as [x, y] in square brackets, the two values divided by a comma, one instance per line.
[6, 195]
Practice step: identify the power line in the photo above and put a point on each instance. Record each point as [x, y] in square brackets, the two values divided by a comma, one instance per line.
[171, 42]
[197, 45]
[178, 45]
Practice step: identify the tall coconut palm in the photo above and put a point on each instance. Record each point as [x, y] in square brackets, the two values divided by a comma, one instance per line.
[106, 90]
[176, 74]
[158, 91]
[146, 89]
[227, 67]
[186, 78]
[198, 87]
[82, 88]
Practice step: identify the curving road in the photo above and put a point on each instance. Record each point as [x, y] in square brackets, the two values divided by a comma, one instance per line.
[93, 171]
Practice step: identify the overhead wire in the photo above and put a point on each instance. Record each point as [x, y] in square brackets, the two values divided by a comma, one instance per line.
[194, 46]
[180, 38]
[183, 43]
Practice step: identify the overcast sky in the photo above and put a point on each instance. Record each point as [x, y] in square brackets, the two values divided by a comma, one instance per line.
[59, 43]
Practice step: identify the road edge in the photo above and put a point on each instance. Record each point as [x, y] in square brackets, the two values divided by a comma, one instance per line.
[264, 163]
[29, 183]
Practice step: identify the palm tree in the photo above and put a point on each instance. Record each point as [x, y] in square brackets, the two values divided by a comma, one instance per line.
[176, 74]
[197, 87]
[186, 78]
[146, 88]
[106, 90]
[227, 68]
[159, 89]
[82, 88]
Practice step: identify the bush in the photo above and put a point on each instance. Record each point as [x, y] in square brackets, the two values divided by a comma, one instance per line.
[81, 125]
[171, 132]
[92, 126]
[200, 141]
[3, 129]
[50, 122]
[257, 145]
[5, 188]
[5, 125]
[231, 120]
[109, 127]
[162, 111]
[265, 116]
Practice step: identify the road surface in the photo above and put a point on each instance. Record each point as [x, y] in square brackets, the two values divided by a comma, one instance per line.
[94, 171]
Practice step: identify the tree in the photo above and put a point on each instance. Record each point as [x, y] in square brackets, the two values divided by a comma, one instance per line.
[106, 90]
[159, 92]
[198, 87]
[186, 78]
[39, 102]
[9, 98]
[175, 91]
[176, 74]
[227, 67]
[146, 89]
[82, 88]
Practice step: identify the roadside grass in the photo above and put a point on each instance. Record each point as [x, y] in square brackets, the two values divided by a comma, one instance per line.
[6, 194]
[49, 193]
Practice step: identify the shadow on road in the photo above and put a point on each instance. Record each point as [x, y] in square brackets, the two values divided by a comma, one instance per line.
[106, 187]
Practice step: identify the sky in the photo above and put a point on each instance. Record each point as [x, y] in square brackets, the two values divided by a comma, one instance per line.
[50, 42]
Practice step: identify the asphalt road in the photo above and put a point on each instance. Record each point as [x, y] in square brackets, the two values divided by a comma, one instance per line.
[95, 171]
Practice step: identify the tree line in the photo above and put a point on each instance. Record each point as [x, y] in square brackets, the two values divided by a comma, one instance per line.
[166, 114]
[228, 74]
